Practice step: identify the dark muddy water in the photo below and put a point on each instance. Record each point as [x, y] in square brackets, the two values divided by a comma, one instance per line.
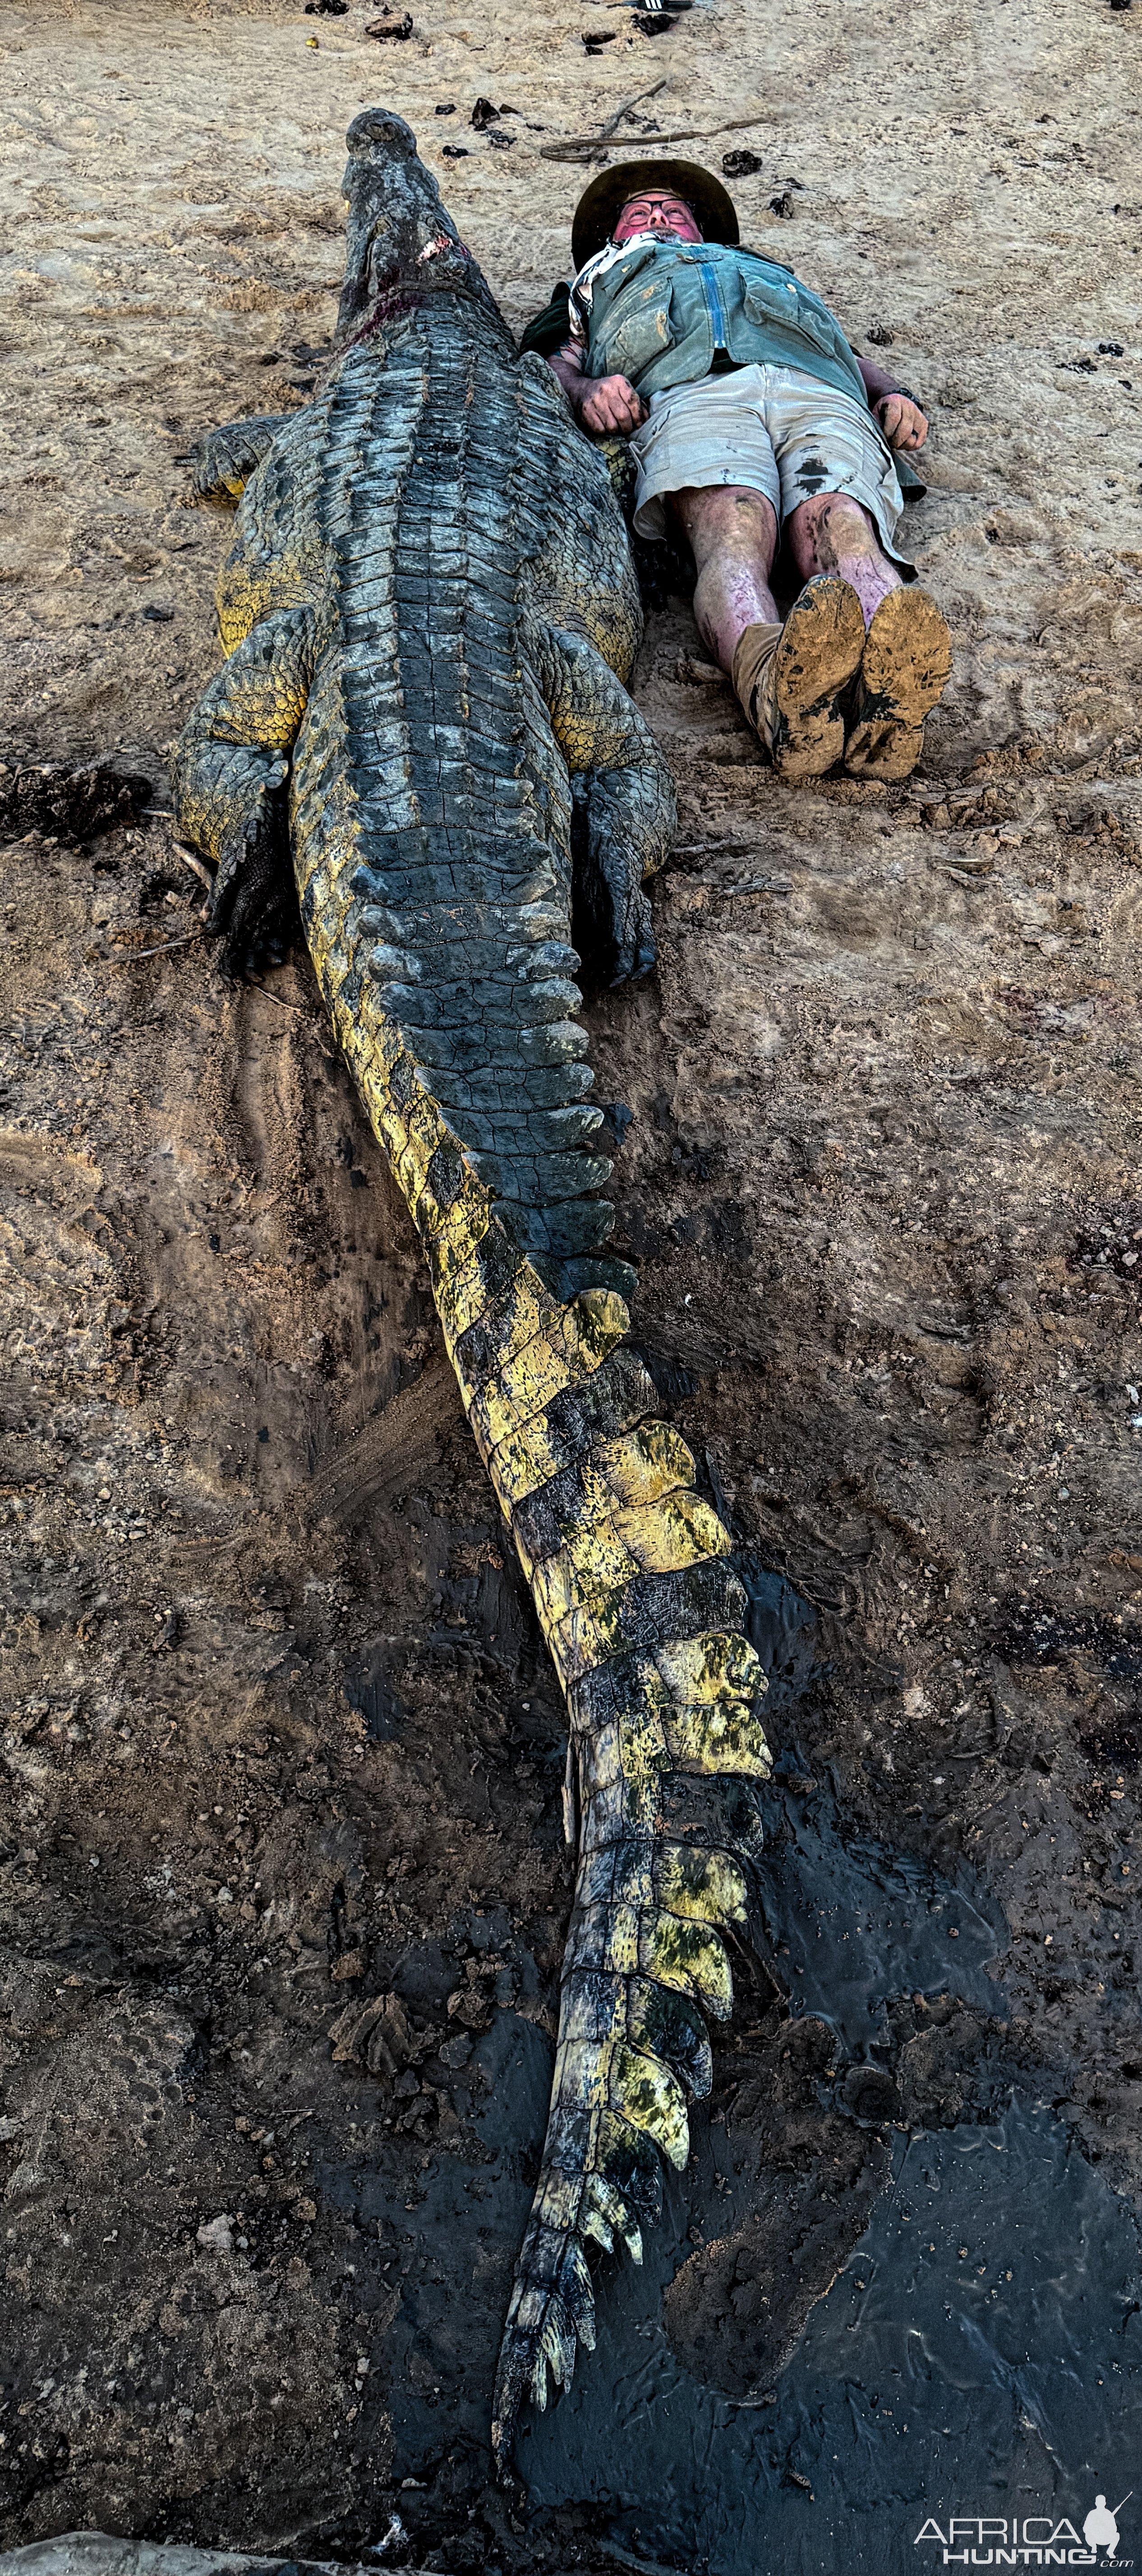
[926, 2382]
[979, 2353]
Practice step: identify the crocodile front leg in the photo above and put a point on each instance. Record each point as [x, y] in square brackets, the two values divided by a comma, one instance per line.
[229, 779]
[223, 460]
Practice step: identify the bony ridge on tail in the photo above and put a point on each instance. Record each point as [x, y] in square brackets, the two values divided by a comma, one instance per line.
[429, 611]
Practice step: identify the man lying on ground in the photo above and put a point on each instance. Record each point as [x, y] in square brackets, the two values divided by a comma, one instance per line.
[750, 418]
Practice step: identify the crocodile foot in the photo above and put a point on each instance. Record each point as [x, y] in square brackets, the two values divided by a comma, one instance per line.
[252, 905]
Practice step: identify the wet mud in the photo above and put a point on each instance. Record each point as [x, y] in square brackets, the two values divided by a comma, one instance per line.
[986, 2372]
[878, 2315]
[890, 2167]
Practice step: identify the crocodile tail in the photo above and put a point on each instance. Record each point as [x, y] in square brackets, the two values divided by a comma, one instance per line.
[643, 1616]
[645, 1958]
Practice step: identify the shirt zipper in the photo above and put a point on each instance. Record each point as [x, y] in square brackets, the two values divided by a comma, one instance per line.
[714, 304]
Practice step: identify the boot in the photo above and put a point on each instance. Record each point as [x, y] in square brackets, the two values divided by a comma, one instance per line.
[790, 679]
[907, 659]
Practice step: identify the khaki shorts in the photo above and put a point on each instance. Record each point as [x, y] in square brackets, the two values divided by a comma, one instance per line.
[775, 429]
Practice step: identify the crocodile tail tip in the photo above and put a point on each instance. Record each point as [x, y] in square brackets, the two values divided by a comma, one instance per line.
[552, 2310]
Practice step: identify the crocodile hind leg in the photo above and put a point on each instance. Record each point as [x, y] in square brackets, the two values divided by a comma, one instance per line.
[229, 781]
[613, 926]
[625, 810]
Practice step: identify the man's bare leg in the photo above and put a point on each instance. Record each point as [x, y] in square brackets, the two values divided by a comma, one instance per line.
[789, 678]
[833, 533]
[907, 657]
[732, 535]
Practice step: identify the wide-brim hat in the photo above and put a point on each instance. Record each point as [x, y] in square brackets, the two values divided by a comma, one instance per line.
[602, 203]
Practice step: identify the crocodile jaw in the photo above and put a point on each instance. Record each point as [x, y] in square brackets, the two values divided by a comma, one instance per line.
[401, 246]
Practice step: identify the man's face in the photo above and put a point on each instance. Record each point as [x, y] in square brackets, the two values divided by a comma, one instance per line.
[656, 211]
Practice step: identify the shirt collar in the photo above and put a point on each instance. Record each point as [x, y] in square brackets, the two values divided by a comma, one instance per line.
[612, 251]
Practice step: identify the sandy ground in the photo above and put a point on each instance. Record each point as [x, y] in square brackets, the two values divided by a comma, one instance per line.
[278, 1735]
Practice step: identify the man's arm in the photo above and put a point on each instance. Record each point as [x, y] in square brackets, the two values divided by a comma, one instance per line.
[901, 419]
[598, 402]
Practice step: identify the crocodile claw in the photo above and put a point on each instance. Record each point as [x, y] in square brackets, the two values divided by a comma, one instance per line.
[613, 917]
[252, 905]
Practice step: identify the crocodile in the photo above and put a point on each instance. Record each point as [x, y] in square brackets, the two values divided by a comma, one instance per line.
[428, 616]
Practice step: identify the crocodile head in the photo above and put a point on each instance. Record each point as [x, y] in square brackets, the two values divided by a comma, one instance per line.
[401, 247]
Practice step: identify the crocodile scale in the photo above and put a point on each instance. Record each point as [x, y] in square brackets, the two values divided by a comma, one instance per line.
[428, 615]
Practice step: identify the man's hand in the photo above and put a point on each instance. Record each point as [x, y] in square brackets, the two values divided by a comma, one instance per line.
[608, 403]
[600, 403]
[902, 422]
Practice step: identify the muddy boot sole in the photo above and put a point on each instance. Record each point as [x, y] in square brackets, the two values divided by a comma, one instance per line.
[797, 707]
[907, 659]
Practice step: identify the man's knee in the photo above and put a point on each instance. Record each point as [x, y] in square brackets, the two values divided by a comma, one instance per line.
[728, 518]
[828, 524]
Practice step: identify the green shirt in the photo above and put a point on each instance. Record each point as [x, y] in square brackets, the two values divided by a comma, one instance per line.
[671, 311]
[548, 331]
